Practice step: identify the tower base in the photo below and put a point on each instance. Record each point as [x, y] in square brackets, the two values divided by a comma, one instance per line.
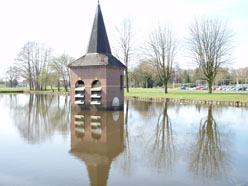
[76, 107]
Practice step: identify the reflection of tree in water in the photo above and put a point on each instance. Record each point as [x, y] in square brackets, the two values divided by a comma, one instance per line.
[125, 162]
[39, 118]
[126, 166]
[160, 145]
[163, 149]
[145, 108]
[208, 158]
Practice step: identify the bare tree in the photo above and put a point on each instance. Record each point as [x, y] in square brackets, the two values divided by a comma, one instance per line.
[161, 49]
[209, 43]
[12, 74]
[32, 58]
[240, 75]
[60, 66]
[24, 63]
[45, 78]
[125, 42]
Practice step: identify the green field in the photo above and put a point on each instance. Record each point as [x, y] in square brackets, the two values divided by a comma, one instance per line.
[190, 94]
[172, 93]
[2, 88]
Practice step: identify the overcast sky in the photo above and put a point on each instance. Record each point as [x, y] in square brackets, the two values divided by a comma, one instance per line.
[65, 25]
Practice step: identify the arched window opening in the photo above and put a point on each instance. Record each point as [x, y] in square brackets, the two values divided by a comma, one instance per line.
[96, 93]
[79, 84]
[79, 92]
[96, 84]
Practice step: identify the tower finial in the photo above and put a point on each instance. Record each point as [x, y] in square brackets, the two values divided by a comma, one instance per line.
[98, 2]
[99, 40]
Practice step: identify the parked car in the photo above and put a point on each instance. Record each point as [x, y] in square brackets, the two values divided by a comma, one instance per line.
[199, 88]
[192, 88]
[224, 88]
[183, 87]
[239, 88]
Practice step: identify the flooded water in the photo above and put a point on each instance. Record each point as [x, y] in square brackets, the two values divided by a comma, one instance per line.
[44, 143]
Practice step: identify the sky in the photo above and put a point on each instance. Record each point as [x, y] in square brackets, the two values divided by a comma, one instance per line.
[65, 25]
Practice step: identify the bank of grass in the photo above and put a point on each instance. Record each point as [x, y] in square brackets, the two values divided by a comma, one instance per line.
[189, 94]
[13, 89]
[26, 89]
[172, 93]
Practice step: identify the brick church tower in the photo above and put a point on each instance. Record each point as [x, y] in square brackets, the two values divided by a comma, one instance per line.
[97, 77]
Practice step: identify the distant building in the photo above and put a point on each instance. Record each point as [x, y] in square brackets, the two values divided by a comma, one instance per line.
[97, 77]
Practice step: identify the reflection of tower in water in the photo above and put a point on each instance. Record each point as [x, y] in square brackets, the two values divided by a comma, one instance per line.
[96, 139]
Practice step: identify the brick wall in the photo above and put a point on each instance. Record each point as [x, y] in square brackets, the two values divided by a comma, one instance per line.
[109, 78]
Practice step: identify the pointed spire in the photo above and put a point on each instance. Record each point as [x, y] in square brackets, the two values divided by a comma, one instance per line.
[99, 40]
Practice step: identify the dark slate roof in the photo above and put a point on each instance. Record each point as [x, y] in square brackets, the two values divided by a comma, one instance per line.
[99, 40]
[99, 52]
[97, 59]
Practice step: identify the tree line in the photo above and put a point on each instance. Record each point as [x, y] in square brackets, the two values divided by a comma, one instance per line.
[145, 76]
[36, 65]
[209, 45]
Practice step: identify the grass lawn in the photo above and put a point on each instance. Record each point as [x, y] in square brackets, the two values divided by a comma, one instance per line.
[190, 94]
[13, 89]
[172, 93]
[27, 89]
